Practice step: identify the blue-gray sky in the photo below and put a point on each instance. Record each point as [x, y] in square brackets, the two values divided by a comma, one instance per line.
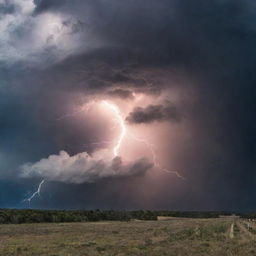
[195, 58]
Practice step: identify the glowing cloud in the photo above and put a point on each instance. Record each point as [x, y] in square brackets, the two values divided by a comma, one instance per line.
[82, 167]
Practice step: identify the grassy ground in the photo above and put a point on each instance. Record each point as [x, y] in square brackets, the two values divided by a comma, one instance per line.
[173, 237]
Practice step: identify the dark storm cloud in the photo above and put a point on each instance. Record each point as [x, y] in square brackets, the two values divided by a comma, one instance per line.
[204, 48]
[120, 93]
[42, 5]
[7, 8]
[153, 113]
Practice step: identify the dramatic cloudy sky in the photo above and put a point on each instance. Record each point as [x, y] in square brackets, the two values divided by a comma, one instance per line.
[128, 104]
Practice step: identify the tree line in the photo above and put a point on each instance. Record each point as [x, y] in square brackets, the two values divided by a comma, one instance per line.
[15, 216]
[251, 215]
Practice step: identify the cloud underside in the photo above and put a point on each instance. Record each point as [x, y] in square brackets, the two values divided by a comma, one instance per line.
[82, 168]
[153, 113]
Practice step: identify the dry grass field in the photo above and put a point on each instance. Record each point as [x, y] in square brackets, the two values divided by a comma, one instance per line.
[177, 237]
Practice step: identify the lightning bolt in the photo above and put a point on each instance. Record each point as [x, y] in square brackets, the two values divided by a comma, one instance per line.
[124, 132]
[151, 146]
[121, 122]
[35, 193]
[116, 150]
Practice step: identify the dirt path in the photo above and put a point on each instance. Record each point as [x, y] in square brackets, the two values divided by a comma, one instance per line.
[231, 232]
[246, 232]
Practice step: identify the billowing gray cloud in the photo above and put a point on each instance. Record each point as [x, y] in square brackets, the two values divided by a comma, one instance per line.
[82, 168]
[151, 113]
[43, 39]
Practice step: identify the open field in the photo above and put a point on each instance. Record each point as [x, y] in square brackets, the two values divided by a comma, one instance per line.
[175, 237]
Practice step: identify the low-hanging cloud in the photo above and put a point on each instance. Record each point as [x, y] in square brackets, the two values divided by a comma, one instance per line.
[82, 168]
[153, 113]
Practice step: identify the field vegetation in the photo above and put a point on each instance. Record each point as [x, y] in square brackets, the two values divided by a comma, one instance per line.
[184, 237]
[134, 233]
